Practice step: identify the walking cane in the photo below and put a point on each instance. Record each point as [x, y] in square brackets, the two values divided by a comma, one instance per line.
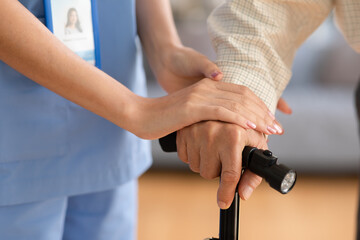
[260, 162]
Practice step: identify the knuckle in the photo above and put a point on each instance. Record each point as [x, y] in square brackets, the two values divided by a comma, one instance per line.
[233, 106]
[245, 90]
[194, 167]
[255, 182]
[211, 130]
[230, 176]
[233, 133]
[207, 174]
[247, 102]
[209, 125]
[182, 156]
[218, 112]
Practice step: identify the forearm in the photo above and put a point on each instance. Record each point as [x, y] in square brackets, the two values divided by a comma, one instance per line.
[156, 29]
[255, 41]
[27, 46]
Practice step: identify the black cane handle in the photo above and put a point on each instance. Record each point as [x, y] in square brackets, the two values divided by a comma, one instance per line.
[259, 161]
[168, 143]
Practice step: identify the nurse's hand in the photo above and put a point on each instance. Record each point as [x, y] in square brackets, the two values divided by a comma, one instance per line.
[178, 67]
[204, 100]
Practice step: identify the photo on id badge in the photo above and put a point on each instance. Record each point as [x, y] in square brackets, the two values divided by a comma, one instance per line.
[74, 22]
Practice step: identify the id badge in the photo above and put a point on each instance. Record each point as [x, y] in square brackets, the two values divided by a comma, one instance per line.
[75, 23]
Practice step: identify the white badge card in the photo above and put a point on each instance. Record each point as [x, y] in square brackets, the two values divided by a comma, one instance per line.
[75, 23]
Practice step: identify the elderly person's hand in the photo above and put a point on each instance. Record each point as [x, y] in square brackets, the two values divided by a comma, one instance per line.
[215, 149]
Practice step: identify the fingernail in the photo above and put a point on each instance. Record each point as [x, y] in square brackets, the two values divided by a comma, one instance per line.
[278, 128]
[247, 192]
[215, 74]
[271, 115]
[272, 130]
[222, 205]
[251, 124]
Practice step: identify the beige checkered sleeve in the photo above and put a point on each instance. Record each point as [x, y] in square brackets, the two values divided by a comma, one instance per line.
[256, 40]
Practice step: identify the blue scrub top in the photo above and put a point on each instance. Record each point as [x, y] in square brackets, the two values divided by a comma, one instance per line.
[51, 147]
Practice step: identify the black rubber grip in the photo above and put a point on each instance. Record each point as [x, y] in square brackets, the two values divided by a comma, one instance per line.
[168, 143]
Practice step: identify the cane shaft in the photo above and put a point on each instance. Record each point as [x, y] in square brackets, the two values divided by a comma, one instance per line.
[229, 220]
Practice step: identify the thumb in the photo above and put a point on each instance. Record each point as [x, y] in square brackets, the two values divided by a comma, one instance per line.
[283, 106]
[230, 176]
[210, 69]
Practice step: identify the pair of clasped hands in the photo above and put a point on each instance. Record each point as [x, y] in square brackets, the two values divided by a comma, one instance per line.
[214, 120]
[219, 119]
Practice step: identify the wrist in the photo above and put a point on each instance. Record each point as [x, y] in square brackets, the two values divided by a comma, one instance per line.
[141, 116]
[133, 113]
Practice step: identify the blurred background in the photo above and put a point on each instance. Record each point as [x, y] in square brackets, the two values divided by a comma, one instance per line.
[320, 142]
